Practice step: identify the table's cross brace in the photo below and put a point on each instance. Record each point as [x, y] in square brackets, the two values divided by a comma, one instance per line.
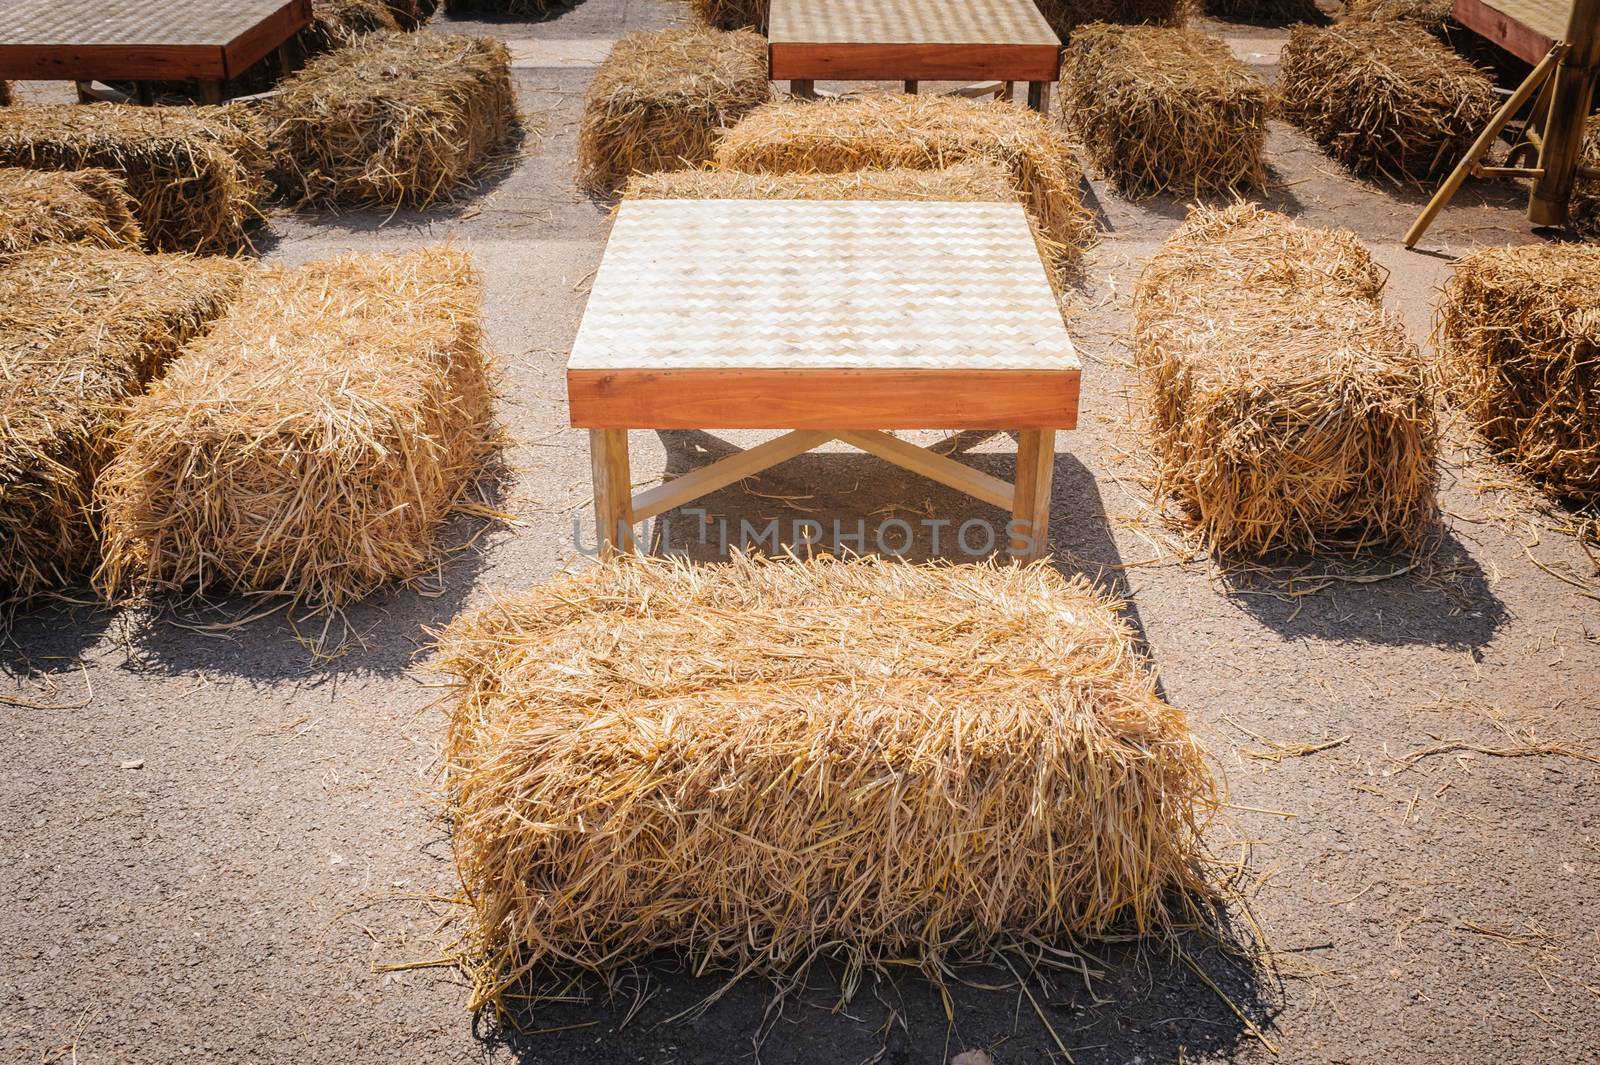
[617, 510]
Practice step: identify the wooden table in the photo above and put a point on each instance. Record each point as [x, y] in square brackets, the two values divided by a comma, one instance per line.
[913, 40]
[210, 41]
[834, 320]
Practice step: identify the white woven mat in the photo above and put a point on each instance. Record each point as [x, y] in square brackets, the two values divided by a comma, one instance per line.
[730, 284]
[909, 22]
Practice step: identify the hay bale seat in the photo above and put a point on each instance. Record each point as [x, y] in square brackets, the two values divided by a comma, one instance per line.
[1519, 335]
[1269, 11]
[970, 181]
[892, 130]
[1384, 97]
[338, 23]
[1288, 411]
[1431, 15]
[760, 762]
[1584, 209]
[660, 99]
[396, 119]
[1065, 16]
[731, 14]
[196, 174]
[1162, 108]
[65, 207]
[534, 8]
[312, 442]
[81, 329]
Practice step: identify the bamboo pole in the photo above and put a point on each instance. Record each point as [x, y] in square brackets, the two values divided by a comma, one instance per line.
[1463, 170]
[1570, 101]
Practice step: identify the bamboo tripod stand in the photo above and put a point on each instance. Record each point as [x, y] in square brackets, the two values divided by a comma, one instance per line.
[1561, 87]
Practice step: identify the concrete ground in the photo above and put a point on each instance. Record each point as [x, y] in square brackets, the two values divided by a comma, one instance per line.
[217, 848]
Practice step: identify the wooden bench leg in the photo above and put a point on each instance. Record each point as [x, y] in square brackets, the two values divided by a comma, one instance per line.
[211, 92]
[1030, 508]
[911, 87]
[1008, 91]
[1039, 96]
[613, 489]
[805, 90]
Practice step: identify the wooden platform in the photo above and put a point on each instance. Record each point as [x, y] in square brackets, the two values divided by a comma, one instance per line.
[911, 40]
[836, 320]
[1525, 28]
[155, 40]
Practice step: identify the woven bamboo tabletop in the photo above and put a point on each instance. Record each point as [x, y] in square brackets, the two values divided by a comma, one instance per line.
[746, 284]
[87, 39]
[909, 22]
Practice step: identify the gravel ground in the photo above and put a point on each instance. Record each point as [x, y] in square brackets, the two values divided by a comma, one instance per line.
[217, 848]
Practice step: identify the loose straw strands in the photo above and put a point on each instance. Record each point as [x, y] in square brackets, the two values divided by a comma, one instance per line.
[1384, 97]
[759, 763]
[1162, 108]
[884, 131]
[338, 23]
[1286, 409]
[396, 119]
[81, 329]
[660, 99]
[196, 174]
[313, 442]
[65, 207]
[1519, 335]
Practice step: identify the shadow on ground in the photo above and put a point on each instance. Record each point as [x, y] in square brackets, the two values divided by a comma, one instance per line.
[1108, 1004]
[1440, 597]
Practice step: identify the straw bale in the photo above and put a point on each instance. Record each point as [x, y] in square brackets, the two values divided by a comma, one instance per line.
[1162, 108]
[396, 119]
[412, 13]
[1287, 409]
[65, 207]
[337, 23]
[888, 130]
[312, 442]
[1384, 97]
[1269, 11]
[731, 14]
[1519, 336]
[1065, 16]
[660, 99]
[196, 174]
[760, 762]
[81, 328]
[1584, 209]
[1431, 15]
[536, 8]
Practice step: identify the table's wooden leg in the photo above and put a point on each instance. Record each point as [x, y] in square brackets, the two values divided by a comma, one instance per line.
[911, 87]
[805, 90]
[1008, 91]
[1039, 96]
[211, 92]
[85, 94]
[613, 489]
[1030, 508]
